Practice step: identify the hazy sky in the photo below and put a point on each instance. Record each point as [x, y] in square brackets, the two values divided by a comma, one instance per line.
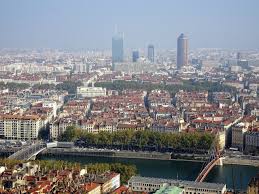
[89, 24]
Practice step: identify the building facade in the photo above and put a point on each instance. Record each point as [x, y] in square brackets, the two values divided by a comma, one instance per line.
[252, 141]
[146, 184]
[20, 127]
[109, 182]
[182, 51]
[91, 92]
[151, 53]
[238, 137]
[117, 48]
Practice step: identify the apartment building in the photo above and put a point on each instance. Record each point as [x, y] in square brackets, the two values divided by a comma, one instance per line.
[238, 136]
[252, 141]
[58, 127]
[91, 92]
[109, 181]
[20, 127]
[92, 188]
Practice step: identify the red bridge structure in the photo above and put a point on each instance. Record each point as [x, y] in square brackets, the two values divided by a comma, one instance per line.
[214, 159]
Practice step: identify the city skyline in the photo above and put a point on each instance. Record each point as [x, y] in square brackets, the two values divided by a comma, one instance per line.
[89, 24]
[129, 96]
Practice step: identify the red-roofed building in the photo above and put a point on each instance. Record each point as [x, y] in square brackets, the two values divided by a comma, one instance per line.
[92, 188]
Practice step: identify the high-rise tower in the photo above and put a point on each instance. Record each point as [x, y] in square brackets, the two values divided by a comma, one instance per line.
[135, 56]
[117, 48]
[151, 53]
[182, 51]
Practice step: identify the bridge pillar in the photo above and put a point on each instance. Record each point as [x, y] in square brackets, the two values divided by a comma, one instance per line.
[220, 162]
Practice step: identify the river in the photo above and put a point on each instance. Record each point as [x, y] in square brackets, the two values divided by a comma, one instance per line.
[172, 169]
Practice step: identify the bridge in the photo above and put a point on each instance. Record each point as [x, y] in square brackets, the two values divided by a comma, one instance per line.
[29, 152]
[214, 159]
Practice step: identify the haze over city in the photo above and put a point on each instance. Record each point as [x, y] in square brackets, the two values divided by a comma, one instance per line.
[89, 24]
[129, 97]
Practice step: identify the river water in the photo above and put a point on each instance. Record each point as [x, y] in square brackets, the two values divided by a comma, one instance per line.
[235, 176]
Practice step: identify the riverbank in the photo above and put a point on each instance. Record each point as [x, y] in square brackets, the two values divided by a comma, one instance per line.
[106, 153]
[83, 152]
[75, 151]
[171, 169]
[240, 161]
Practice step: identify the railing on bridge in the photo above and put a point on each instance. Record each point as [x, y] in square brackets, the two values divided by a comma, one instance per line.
[212, 161]
[28, 152]
[205, 171]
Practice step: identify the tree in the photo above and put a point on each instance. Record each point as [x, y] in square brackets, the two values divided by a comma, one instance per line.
[44, 134]
[69, 135]
[186, 85]
[13, 86]
[69, 86]
[44, 86]
[141, 139]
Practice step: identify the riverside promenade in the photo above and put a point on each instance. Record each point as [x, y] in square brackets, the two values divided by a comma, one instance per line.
[106, 153]
[75, 151]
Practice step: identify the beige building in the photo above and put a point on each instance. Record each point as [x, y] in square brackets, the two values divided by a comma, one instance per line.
[238, 136]
[89, 126]
[109, 182]
[20, 127]
[57, 128]
[92, 188]
[108, 127]
[221, 140]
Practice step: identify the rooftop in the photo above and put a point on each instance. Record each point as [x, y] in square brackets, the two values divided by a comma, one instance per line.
[172, 182]
[169, 190]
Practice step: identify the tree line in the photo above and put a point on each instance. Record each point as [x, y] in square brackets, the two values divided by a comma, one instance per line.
[121, 85]
[13, 86]
[141, 140]
[69, 86]
[126, 171]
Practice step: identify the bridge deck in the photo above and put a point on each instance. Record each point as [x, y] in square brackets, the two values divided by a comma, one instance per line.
[207, 169]
[28, 152]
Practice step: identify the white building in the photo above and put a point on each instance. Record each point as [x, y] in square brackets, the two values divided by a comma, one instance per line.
[51, 104]
[146, 184]
[91, 92]
[81, 68]
[20, 127]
